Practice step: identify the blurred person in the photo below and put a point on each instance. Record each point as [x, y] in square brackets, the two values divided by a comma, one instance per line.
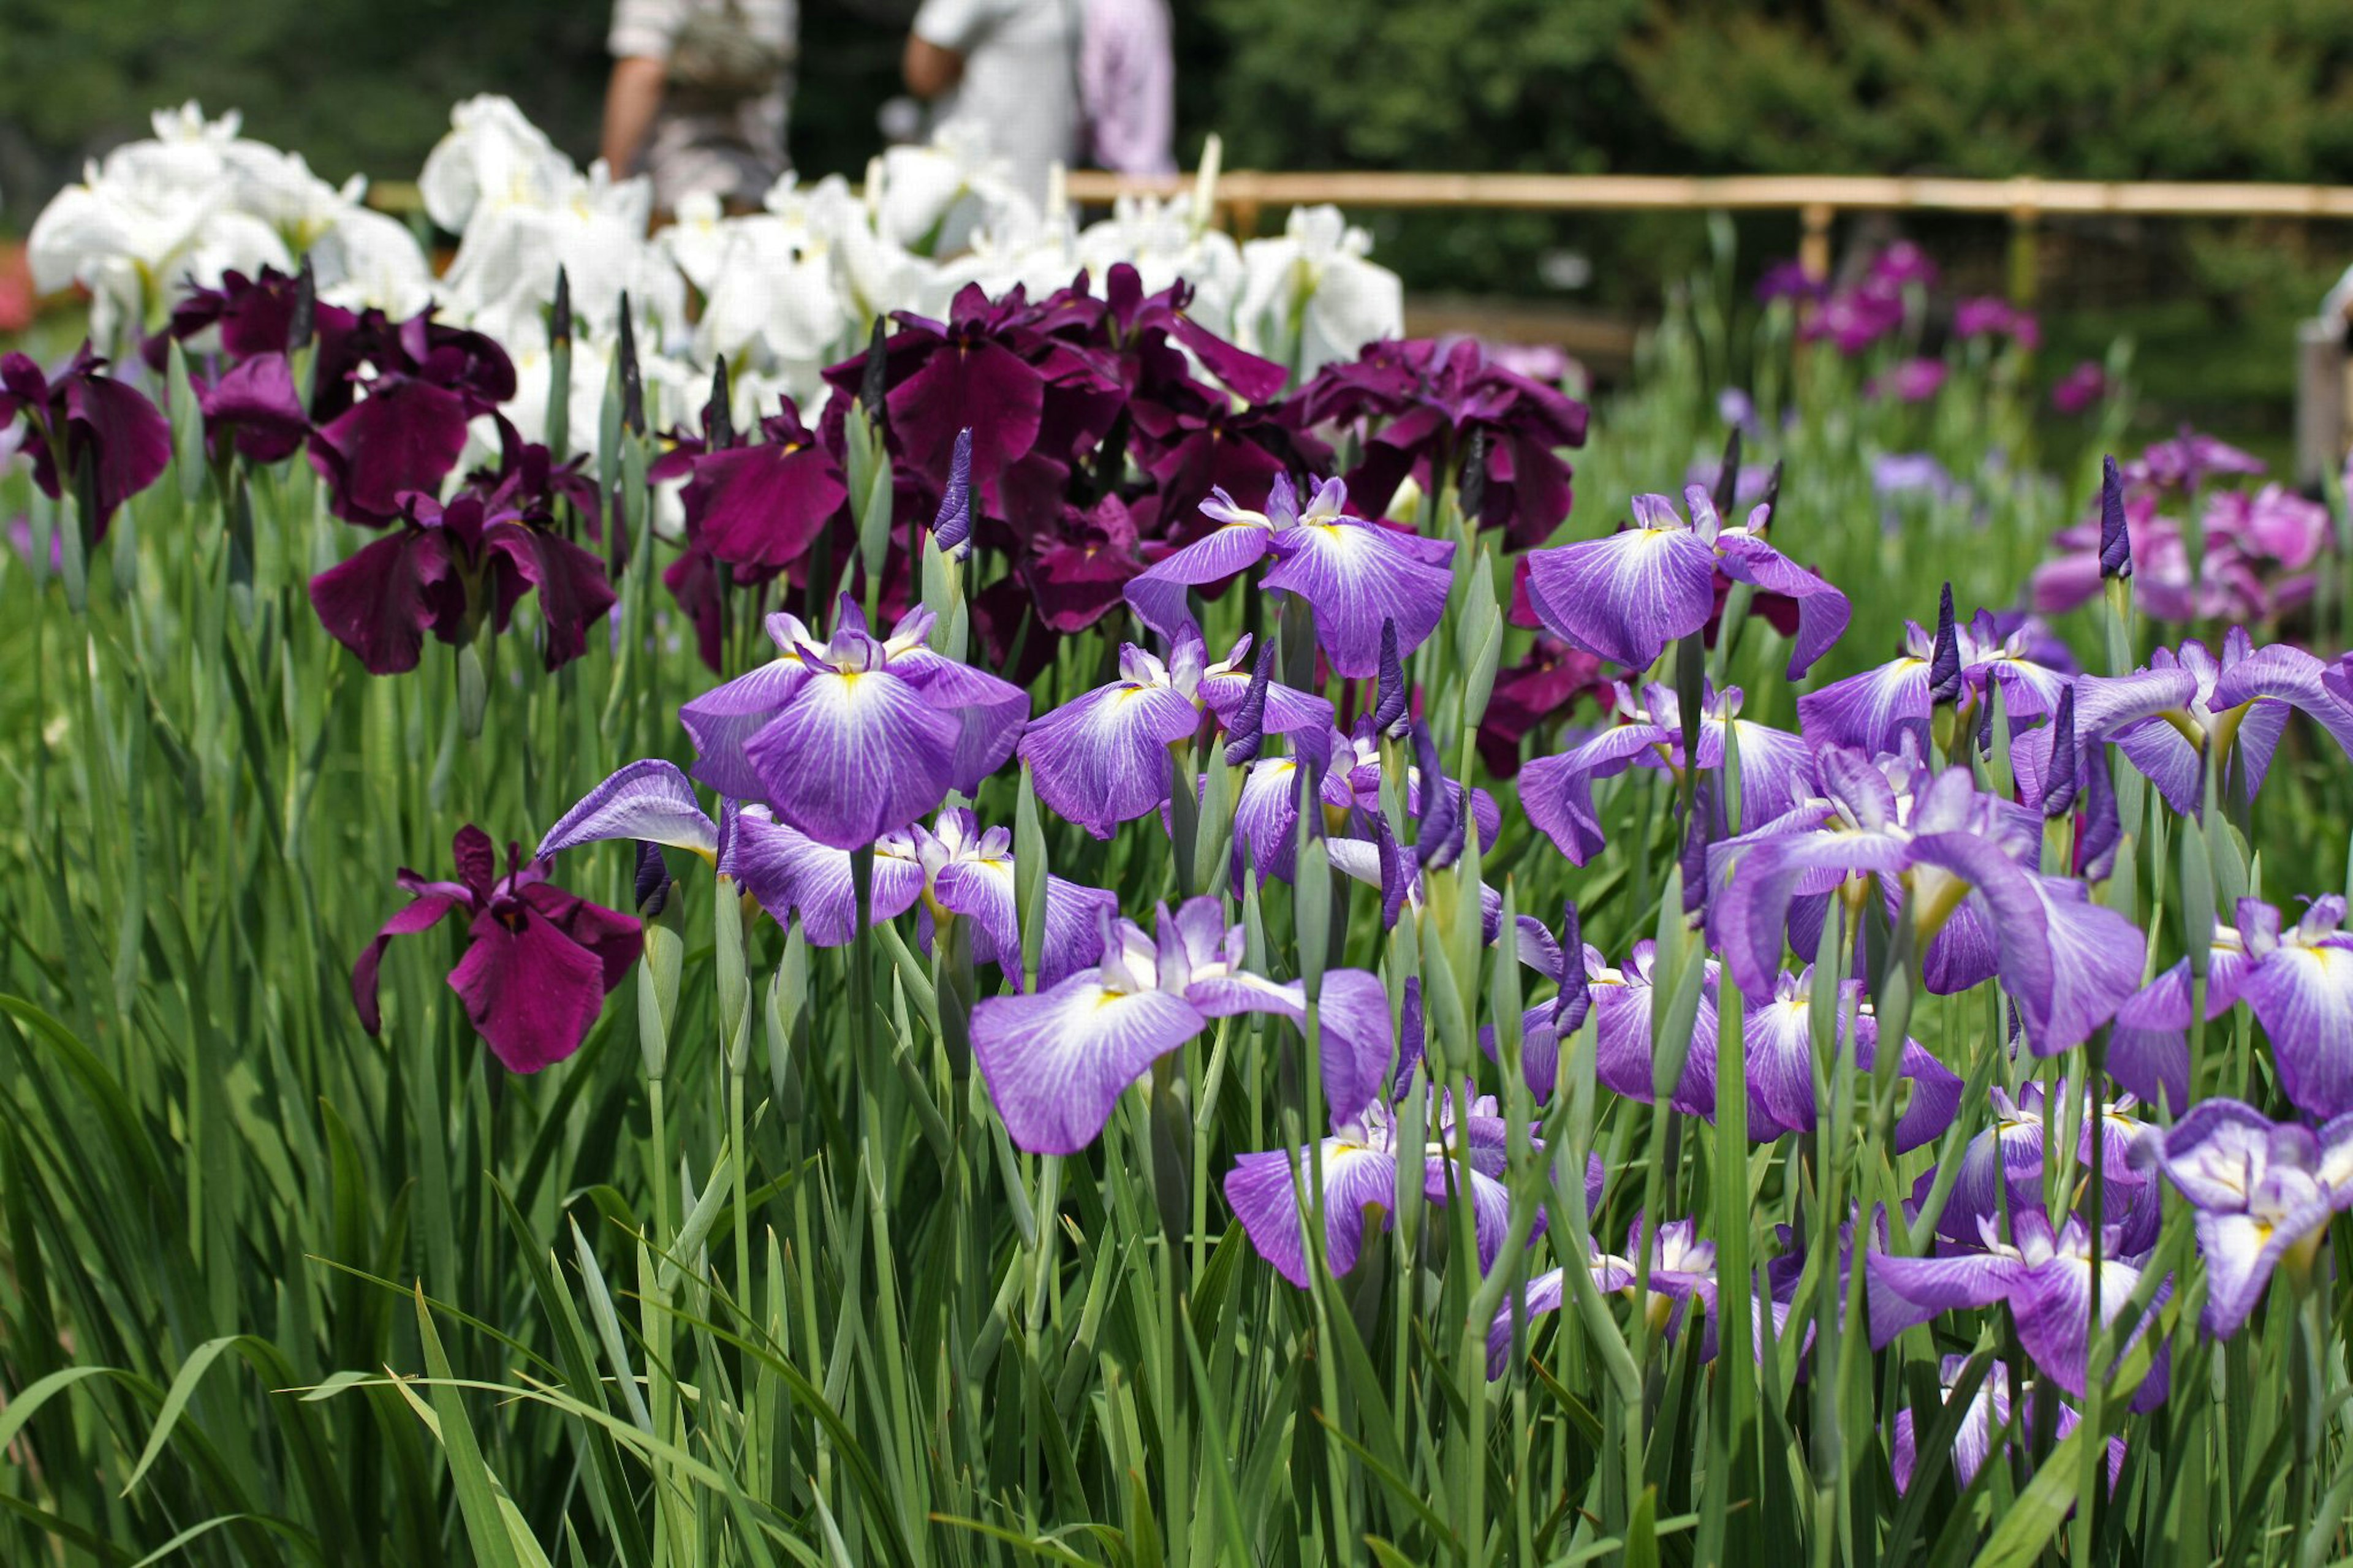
[1128, 86]
[1006, 70]
[698, 96]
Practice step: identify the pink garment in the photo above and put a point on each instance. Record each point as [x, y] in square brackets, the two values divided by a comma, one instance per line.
[1127, 85]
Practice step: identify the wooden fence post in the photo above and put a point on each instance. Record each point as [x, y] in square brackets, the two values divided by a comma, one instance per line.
[1814, 242]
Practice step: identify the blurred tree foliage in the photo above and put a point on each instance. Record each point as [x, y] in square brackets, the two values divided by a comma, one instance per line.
[2087, 89]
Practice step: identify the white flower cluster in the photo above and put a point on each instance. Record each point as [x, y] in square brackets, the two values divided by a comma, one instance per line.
[199, 200]
[779, 293]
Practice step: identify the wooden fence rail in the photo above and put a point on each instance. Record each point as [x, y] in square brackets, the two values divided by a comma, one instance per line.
[1244, 195]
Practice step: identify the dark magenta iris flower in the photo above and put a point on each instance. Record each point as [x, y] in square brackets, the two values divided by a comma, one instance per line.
[539, 962]
[1425, 399]
[448, 569]
[99, 421]
[409, 429]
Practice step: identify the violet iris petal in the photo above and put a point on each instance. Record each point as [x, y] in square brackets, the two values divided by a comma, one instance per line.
[1056, 1061]
[1103, 758]
[649, 801]
[538, 964]
[1777, 770]
[1269, 1191]
[2045, 1280]
[2299, 981]
[1778, 1046]
[1354, 573]
[1872, 711]
[1989, 1412]
[2003, 1166]
[2189, 706]
[2067, 963]
[1682, 1273]
[1631, 596]
[2264, 1192]
[848, 739]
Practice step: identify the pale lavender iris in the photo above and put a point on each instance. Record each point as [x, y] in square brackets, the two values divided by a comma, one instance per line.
[1266, 808]
[2263, 1192]
[1777, 770]
[1629, 596]
[1964, 862]
[1682, 1270]
[2189, 707]
[2002, 1165]
[1057, 1061]
[1105, 758]
[2297, 979]
[1355, 573]
[2043, 1276]
[850, 737]
[1986, 1419]
[1874, 710]
[1778, 1042]
[953, 866]
[1359, 1163]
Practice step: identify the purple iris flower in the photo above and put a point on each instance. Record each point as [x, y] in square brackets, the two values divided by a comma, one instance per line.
[1854, 319]
[447, 570]
[1103, 758]
[2188, 461]
[103, 422]
[539, 962]
[1057, 1061]
[1788, 279]
[1360, 1160]
[1965, 859]
[1354, 573]
[1142, 325]
[2298, 979]
[2264, 1192]
[1777, 770]
[1629, 596]
[1902, 264]
[2080, 388]
[1077, 573]
[1683, 1271]
[1872, 711]
[1266, 808]
[1915, 380]
[1987, 316]
[2043, 1276]
[2188, 708]
[1988, 1414]
[2003, 1164]
[953, 868]
[850, 737]
[1778, 1043]
[1623, 1044]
